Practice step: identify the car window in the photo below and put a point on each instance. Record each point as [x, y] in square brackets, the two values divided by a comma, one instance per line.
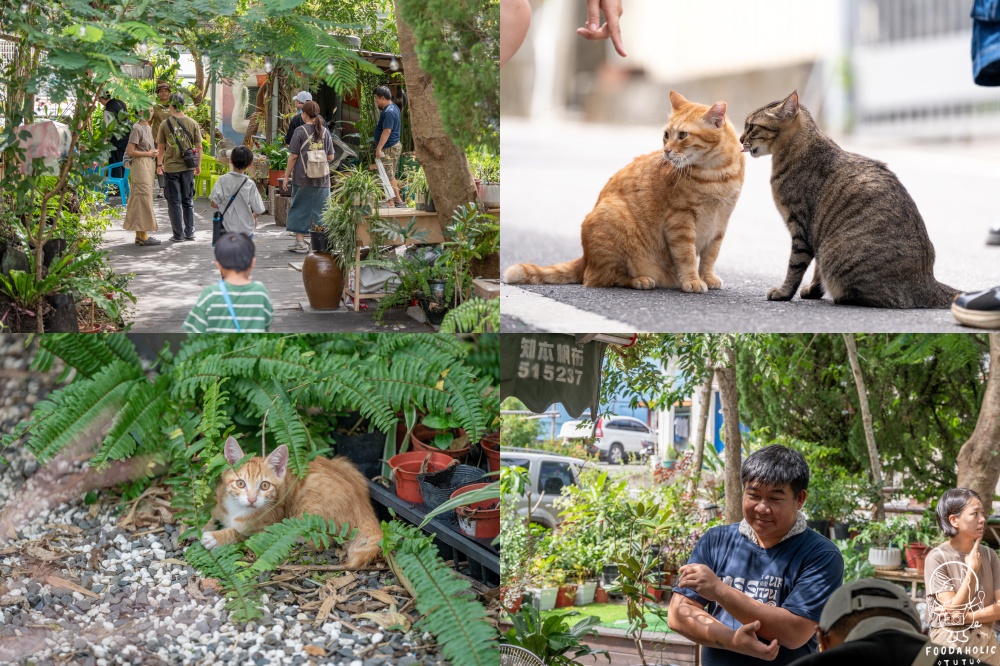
[516, 462]
[619, 425]
[552, 476]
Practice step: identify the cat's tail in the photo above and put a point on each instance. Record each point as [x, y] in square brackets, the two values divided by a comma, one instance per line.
[940, 295]
[568, 272]
[364, 547]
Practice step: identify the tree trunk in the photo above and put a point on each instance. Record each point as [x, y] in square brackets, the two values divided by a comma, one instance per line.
[705, 398]
[200, 87]
[259, 112]
[729, 394]
[978, 460]
[866, 420]
[449, 176]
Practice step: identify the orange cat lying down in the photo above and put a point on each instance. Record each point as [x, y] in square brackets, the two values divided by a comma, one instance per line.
[659, 222]
[260, 493]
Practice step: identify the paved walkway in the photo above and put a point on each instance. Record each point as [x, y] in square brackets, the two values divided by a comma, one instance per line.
[169, 277]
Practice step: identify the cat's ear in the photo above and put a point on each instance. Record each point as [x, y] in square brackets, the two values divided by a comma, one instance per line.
[716, 116]
[278, 461]
[790, 107]
[232, 451]
[677, 100]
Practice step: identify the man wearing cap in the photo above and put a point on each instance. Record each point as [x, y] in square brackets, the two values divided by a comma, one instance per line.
[300, 98]
[161, 112]
[872, 621]
[753, 591]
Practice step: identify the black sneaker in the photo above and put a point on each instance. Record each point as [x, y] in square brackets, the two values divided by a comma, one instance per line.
[993, 237]
[978, 308]
[176, 239]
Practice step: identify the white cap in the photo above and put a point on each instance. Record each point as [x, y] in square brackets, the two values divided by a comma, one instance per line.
[864, 594]
[303, 96]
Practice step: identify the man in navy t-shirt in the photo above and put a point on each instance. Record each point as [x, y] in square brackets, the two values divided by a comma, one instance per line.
[754, 591]
[387, 146]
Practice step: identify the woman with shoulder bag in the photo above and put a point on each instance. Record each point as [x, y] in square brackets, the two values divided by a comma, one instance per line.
[309, 154]
[141, 151]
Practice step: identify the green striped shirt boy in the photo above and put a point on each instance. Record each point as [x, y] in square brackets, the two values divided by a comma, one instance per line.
[250, 302]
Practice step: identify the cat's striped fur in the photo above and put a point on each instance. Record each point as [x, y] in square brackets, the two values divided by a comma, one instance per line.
[659, 222]
[847, 211]
[261, 493]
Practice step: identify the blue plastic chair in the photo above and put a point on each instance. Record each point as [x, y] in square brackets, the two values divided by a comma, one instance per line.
[120, 183]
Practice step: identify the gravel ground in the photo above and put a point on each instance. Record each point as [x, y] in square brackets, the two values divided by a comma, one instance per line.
[77, 589]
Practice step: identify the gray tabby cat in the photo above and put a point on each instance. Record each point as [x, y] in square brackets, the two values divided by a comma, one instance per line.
[847, 211]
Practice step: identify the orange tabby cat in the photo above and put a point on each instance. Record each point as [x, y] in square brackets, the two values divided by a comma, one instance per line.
[659, 222]
[259, 494]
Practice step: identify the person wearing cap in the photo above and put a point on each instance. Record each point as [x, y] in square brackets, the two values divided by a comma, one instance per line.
[299, 101]
[872, 621]
[161, 112]
[178, 133]
[962, 578]
[754, 590]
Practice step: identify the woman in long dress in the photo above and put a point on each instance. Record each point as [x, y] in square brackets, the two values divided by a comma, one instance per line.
[139, 215]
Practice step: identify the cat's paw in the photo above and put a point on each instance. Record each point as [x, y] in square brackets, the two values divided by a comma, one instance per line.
[209, 541]
[713, 281]
[696, 286]
[778, 294]
[811, 292]
[644, 282]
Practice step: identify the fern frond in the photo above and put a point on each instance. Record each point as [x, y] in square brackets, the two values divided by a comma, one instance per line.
[89, 354]
[213, 419]
[458, 622]
[136, 423]
[277, 541]
[473, 316]
[69, 413]
[223, 563]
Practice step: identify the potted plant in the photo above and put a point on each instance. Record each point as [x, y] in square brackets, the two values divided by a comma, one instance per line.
[440, 433]
[514, 540]
[885, 541]
[416, 185]
[921, 538]
[277, 161]
[553, 641]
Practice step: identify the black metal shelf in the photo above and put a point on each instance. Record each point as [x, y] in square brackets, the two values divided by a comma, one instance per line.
[482, 558]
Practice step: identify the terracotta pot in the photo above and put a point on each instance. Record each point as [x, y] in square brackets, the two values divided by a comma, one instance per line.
[406, 467]
[601, 596]
[480, 520]
[491, 448]
[422, 434]
[565, 596]
[323, 280]
[916, 553]
[273, 175]
[513, 605]
[654, 592]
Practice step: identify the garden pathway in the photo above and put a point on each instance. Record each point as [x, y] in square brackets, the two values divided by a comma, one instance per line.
[169, 277]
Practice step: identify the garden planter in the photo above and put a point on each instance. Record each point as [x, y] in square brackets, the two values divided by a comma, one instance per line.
[585, 593]
[318, 240]
[480, 520]
[509, 601]
[654, 593]
[543, 598]
[273, 175]
[916, 553]
[437, 487]
[406, 467]
[365, 450]
[884, 559]
[491, 195]
[491, 449]
[821, 526]
[565, 596]
[323, 281]
[609, 574]
[422, 435]
[601, 596]
[434, 312]
[841, 531]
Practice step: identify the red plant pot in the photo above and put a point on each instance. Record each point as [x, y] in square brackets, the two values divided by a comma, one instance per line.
[514, 605]
[916, 553]
[406, 467]
[601, 596]
[422, 434]
[480, 520]
[566, 596]
[654, 592]
[491, 448]
[273, 175]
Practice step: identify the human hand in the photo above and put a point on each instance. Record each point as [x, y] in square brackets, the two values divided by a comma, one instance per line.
[197, 170]
[159, 168]
[378, 153]
[595, 30]
[972, 560]
[745, 641]
[701, 579]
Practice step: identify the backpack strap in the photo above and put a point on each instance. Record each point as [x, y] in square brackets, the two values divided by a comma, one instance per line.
[233, 198]
[184, 129]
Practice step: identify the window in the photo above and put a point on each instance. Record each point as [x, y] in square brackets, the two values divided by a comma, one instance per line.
[553, 476]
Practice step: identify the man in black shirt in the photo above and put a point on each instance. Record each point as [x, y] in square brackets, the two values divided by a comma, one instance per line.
[115, 109]
[871, 622]
[299, 100]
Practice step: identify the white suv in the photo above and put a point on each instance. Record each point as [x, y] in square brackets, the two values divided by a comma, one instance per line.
[615, 438]
[549, 472]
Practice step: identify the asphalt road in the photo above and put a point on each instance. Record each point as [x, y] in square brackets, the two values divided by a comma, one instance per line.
[554, 172]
